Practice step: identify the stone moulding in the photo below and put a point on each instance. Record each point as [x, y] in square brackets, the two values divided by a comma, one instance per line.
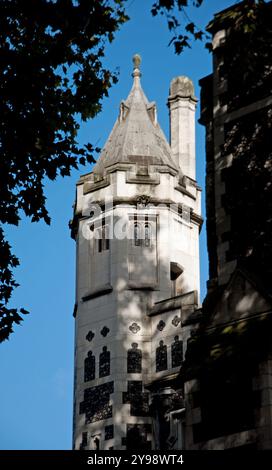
[89, 187]
[142, 179]
[132, 176]
[143, 200]
[135, 285]
[106, 289]
[73, 224]
[184, 191]
[178, 302]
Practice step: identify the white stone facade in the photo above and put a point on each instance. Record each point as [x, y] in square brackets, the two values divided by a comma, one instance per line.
[136, 225]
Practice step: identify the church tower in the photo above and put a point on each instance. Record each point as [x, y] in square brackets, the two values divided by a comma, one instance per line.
[136, 225]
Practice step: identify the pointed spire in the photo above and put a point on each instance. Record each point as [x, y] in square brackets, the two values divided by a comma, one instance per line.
[136, 136]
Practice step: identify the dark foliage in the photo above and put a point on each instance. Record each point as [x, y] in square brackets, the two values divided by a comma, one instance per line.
[51, 75]
[185, 30]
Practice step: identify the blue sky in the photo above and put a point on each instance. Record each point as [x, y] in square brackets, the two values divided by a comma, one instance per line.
[37, 361]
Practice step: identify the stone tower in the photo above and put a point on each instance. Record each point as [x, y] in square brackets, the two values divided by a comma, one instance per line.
[136, 225]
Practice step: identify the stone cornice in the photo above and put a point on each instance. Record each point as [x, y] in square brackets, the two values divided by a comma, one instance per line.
[180, 96]
[133, 201]
[92, 181]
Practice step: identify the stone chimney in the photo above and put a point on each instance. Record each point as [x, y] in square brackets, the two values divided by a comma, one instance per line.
[182, 105]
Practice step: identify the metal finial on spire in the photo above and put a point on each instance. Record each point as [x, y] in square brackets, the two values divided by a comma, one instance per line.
[136, 62]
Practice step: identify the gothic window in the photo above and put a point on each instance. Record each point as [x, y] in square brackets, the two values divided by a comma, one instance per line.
[134, 359]
[97, 443]
[109, 432]
[147, 234]
[142, 255]
[161, 357]
[137, 234]
[89, 367]
[104, 363]
[177, 352]
[142, 234]
[137, 398]
[84, 441]
[99, 251]
[96, 404]
[103, 240]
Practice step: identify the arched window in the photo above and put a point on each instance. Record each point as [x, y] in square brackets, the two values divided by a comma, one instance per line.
[89, 367]
[104, 363]
[142, 233]
[161, 357]
[97, 443]
[84, 441]
[134, 359]
[147, 234]
[177, 352]
[103, 240]
[137, 234]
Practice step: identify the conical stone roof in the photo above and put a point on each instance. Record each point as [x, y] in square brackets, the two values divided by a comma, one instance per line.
[136, 136]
